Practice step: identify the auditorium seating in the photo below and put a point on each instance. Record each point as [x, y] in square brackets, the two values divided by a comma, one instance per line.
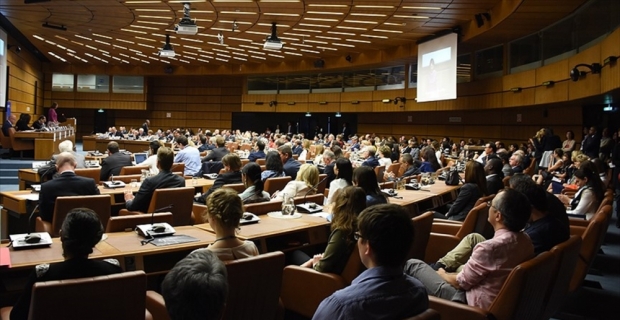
[101, 204]
[93, 173]
[129, 223]
[179, 201]
[20, 145]
[275, 184]
[133, 169]
[422, 229]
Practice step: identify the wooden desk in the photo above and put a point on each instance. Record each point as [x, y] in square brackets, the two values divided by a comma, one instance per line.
[46, 143]
[415, 201]
[273, 234]
[27, 177]
[91, 143]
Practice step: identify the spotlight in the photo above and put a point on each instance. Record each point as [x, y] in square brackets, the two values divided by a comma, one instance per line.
[575, 73]
[610, 60]
[18, 49]
[479, 21]
[516, 89]
[386, 100]
[273, 103]
[338, 115]
[308, 114]
[235, 26]
[348, 58]
[548, 83]
[51, 26]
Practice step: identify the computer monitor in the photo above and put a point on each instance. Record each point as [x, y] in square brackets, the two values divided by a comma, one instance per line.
[140, 157]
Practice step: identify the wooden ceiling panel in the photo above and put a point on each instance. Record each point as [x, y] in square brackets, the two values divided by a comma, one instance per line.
[118, 32]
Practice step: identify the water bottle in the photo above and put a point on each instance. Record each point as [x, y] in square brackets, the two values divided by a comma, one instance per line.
[288, 206]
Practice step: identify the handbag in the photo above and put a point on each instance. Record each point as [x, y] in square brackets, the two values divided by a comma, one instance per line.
[453, 178]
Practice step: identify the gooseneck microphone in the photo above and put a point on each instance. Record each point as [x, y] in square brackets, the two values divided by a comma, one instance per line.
[162, 209]
[32, 238]
[311, 207]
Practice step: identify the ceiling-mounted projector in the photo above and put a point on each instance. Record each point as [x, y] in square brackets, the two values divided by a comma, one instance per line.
[186, 25]
[167, 51]
[273, 42]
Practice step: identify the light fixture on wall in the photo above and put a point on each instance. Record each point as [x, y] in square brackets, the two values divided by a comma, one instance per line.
[355, 102]
[100, 110]
[308, 114]
[338, 115]
[17, 49]
[400, 99]
[386, 100]
[548, 83]
[575, 73]
[515, 89]
[273, 103]
[291, 103]
[610, 60]
[323, 102]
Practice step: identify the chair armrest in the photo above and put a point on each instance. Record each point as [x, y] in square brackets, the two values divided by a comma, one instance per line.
[445, 228]
[577, 230]
[43, 226]
[453, 310]
[578, 222]
[303, 289]
[125, 212]
[438, 245]
[156, 306]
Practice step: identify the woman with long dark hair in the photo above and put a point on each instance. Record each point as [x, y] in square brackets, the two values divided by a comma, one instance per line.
[589, 196]
[429, 160]
[366, 178]
[344, 177]
[273, 166]
[475, 187]
[254, 192]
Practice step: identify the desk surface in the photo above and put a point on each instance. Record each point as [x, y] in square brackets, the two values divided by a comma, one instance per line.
[268, 226]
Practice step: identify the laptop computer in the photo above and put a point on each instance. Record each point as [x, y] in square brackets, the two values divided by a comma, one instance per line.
[140, 157]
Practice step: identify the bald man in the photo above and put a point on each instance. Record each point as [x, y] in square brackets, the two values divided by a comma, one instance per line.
[8, 124]
[67, 183]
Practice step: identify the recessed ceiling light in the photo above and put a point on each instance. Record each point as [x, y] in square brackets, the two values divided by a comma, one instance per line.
[237, 12]
[342, 33]
[321, 19]
[293, 53]
[374, 7]
[351, 28]
[328, 5]
[361, 21]
[355, 40]
[423, 8]
[343, 45]
[307, 30]
[410, 17]
[327, 48]
[152, 10]
[389, 31]
[281, 14]
[325, 12]
[373, 36]
[367, 14]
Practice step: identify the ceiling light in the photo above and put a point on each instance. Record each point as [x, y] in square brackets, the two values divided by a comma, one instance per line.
[384, 30]
[374, 7]
[361, 21]
[422, 8]
[328, 5]
[281, 14]
[367, 14]
[325, 12]
[410, 17]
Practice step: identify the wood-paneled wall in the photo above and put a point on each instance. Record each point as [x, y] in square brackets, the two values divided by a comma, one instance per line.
[25, 82]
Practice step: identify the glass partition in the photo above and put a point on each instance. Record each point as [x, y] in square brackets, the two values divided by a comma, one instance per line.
[93, 83]
[63, 82]
[128, 84]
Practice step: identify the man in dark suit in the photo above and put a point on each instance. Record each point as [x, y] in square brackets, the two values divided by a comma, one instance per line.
[291, 166]
[369, 156]
[218, 153]
[259, 153]
[591, 144]
[145, 126]
[163, 180]
[346, 132]
[232, 166]
[67, 183]
[495, 176]
[515, 163]
[8, 124]
[330, 163]
[114, 162]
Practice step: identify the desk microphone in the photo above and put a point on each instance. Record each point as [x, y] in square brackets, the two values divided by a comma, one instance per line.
[35, 237]
[311, 207]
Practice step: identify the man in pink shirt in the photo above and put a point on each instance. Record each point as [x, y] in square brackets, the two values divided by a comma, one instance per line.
[479, 280]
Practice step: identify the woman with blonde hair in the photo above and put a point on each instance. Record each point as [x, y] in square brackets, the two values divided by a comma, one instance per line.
[305, 184]
[304, 154]
[318, 150]
[224, 211]
[349, 202]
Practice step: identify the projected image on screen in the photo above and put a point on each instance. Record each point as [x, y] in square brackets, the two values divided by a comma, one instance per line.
[437, 69]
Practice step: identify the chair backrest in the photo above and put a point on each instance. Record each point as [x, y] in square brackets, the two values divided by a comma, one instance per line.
[530, 170]
[523, 292]
[568, 253]
[133, 170]
[478, 215]
[422, 225]
[592, 239]
[101, 204]
[181, 200]
[244, 162]
[353, 268]
[239, 187]
[316, 198]
[5, 141]
[274, 184]
[93, 173]
[379, 171]
[263, 207]
[127, 178]
[254, 287]
[393, 168]
[124, 223]
[115, 296]
[387, 185]
[506, 181]
[246, 147]
[429, 314]
[261, 161]
[320, 188]
[178, 167]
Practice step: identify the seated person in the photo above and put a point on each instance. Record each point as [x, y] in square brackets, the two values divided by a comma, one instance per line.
[305, 184]
[224, 211]
[151, 161]
[188, 155]
[259, 151]
[274, 168]
[66, 183]
[494, 175]
[218, 153]
[67, 146]
[385, 153]
[254, 192]
[290, 165]
[196, 287]
[366, 178]
[163, 180]
[368, 154]
[80, 232]
[589, 196]
[407, 167]
[482, 265]
[429, 160]
[22, 123]
[344, 177]
[516, 163]
[114, 162]
[384, 236]
[475, 186]
[40, 123]
[232, 174]
[546, 228]
[349, 203]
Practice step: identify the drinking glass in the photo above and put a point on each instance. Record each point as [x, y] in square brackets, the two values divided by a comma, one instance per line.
[134, 183]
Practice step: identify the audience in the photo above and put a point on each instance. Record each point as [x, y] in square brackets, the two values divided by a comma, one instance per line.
[259, 151]
[329, 159]
[163, 180]
[368, 154]
[151, 161]
[305, 184]
[274, 168]
[344, 177]
[366, 178]
[80, 232]
[114, 162]
[188, 155]
[224, 211]
[494, 175]
[231, 175]
[481, 265]
[429, 161]
[290, 165]
[589, 195]
[475, 187]
[384, 236]
[219, 152]
[251, 178]
[196, 288]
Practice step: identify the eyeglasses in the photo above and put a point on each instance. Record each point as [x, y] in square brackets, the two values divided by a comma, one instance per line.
[357, 236]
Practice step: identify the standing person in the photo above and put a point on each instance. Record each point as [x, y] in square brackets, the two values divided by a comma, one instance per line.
[383, 291]
[163, 180]
[115, 161]
[591, 144]
[346, 132]
[145, 126]
[52, 115]
[80, 232]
